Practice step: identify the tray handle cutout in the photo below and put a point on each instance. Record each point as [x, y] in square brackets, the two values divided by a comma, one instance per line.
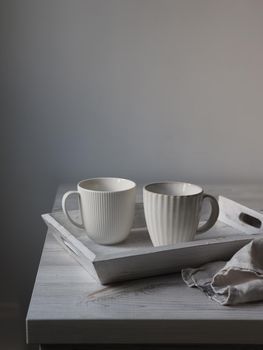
[69, 246]
[250, 220]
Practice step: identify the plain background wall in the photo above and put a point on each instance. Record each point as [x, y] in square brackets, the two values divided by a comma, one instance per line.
[144, 89]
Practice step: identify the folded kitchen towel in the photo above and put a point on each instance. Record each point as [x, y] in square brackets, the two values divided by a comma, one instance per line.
[240, 280]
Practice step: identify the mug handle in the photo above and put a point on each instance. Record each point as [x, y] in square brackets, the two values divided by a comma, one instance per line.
[213, 216]
[64, 199]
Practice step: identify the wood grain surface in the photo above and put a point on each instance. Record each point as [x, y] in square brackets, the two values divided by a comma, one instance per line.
[69, 306]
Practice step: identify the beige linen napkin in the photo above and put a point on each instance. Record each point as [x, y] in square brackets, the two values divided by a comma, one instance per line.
[240, 280]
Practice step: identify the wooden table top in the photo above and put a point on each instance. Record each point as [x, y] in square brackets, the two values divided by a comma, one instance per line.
[68, 306]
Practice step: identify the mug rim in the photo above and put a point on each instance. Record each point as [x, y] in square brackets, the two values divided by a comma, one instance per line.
[132, 184]
[173, 182]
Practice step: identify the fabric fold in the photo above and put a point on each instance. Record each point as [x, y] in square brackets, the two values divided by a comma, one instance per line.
[240, 280]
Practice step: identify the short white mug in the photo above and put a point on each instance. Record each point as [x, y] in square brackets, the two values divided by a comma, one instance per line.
[106, 206]
[172, 211]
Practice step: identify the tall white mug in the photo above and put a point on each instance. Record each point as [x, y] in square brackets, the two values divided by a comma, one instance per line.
[172, 211]
[106, 206]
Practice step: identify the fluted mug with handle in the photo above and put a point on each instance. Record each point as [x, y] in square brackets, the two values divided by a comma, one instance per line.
[106, 206]
[172, 211]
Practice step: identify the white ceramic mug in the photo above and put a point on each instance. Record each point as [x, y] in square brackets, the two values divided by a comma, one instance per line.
[107, 208]
[172, 211]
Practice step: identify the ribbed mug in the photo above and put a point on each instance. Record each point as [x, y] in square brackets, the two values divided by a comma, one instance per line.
[172, 211]
[106, 206]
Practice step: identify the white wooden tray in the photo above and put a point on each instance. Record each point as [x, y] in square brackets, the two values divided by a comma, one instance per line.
[136, 257]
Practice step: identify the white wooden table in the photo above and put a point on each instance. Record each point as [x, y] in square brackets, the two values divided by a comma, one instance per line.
[69, 307]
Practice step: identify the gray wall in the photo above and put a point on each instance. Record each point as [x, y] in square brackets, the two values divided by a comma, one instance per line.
[143, 89]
